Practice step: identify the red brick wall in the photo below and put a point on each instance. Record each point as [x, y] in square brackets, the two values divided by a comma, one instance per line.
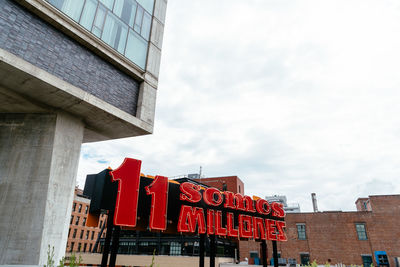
[233, 183]
[332, 235]
[85, 242]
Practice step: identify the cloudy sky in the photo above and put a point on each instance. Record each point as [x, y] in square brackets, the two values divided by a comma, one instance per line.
[293, 97]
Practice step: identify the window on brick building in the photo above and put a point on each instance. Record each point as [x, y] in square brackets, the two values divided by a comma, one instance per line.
[101, 224]
[80, 208]
[79, 247]
[87, 234]
[301, 231]
[84, 221]
[361, 231]
[84, 247]
[304, 258]
[86, 209]
[81, 236]
[90, 247]
[69, 231]
[74, 234]
[72, 247]
[74, 206]
[72, 219]
[77, 220]
[367, 260]
[92, 235]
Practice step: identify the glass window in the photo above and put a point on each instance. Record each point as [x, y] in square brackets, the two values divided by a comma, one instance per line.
[74, 233]
[90, 247]
[72, 219]
[175, 248]
[305, 258]
[81, 236]
[108, 3]
[72, 8]
[74, 206]
[361, 232]
[77, 220]
[57, 3]
[138, 19]
[367, 260]
[88, 14]
[92, 235]
[136, 49]
[126, 10]
[87, 234]
[72, 246]
[79, 247]
[114, 33]
[301, 231]
[114, 21]
[147, 4]
[146, 25]
[84, 247]
[99, 20]
[84, 221]
[86, 209]
[80, 208]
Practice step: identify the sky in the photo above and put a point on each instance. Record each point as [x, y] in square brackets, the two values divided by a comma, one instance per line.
[293, 97]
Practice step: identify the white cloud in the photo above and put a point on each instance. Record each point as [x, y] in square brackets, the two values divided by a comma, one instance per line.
[294, 97]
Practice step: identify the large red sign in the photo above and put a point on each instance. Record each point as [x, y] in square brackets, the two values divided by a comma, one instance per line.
[160, 204]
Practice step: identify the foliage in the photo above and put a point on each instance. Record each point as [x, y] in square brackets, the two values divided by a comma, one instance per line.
[152, 259]
[50, 257]
[73, 260]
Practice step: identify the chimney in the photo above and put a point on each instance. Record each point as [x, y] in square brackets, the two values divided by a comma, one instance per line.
[314, 201]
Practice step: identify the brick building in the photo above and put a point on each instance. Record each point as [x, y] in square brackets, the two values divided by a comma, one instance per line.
[228, 183]
[357, 237]
[82, 238]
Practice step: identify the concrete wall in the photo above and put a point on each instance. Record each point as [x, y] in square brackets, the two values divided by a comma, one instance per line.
[38, 165]
[160, 261]
[27, 36]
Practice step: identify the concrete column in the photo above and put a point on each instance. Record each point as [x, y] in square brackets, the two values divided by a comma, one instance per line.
[39, 156]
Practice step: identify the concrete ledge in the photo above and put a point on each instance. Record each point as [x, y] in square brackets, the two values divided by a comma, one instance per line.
[145, 260]
[30, 84]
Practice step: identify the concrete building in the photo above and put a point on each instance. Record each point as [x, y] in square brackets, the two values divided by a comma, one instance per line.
[70, 72]
[356, 237]
[293, 207]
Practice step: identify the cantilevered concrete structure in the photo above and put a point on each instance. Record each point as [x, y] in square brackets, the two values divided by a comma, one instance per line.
[70, 72]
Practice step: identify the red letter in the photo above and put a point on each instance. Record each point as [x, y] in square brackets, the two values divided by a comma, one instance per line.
[245, 226]
[190, 192]
[279, 226]
[128, 177]
[258, 224]
[271, 230]
[208, 196]
[263, 206]
[158, 190]
[219, 230]
[277, 209]
[210, 222]
[229, 200]
[231, 228]
[189, 218]
[238, 201]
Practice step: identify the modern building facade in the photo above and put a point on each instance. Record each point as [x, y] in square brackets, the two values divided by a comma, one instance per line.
[293, 207]
[70, 72]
